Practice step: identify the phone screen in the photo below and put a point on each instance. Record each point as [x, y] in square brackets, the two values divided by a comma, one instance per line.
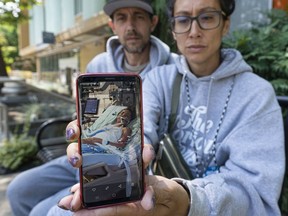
[109, 108]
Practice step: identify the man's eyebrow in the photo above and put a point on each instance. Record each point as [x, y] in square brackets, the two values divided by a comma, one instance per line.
[140, 12]
[119, 14]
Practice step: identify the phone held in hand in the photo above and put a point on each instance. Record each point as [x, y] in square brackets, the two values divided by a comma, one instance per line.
[109, 109]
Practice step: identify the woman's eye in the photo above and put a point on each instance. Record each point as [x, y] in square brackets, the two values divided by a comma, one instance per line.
[207, 17]
[182, 20]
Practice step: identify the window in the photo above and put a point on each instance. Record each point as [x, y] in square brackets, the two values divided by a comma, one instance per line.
[78, 6]
[51, 63]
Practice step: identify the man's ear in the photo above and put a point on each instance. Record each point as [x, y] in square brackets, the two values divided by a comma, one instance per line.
[111, 25]
[155, 20]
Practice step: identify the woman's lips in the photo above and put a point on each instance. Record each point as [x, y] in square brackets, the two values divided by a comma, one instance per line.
[195, 48]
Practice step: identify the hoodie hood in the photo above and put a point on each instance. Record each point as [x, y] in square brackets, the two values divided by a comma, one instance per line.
[232, 64]
[159, 53]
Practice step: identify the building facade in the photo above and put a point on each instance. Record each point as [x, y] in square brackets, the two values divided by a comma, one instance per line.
[62, 36]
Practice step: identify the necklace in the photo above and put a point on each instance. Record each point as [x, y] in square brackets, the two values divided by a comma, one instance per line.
[213, 150]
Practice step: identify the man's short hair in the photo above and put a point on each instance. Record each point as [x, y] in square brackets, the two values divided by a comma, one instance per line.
[113, 5]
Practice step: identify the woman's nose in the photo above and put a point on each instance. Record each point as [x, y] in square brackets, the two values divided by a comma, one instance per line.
[195, 29]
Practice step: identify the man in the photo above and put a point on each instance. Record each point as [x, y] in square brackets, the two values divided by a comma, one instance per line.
[133, 49]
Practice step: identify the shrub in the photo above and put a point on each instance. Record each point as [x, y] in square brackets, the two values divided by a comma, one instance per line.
[18, 150]
[265, 48]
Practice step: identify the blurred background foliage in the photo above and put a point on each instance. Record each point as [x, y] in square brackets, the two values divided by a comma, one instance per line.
[9, 43]
[12, 12]
[265, 48]
[163, 30]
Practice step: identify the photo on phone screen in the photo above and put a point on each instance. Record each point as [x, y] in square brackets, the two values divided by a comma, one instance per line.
[110, 119]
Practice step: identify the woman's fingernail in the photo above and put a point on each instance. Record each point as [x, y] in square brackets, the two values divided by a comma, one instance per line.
[70, 191]
[61, 206]
[69, 133]
[73, 160]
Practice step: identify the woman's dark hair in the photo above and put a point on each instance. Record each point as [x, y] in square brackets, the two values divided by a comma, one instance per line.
[227, 6]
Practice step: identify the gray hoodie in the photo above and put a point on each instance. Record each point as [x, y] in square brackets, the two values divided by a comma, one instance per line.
[232, 112]
[112, 59]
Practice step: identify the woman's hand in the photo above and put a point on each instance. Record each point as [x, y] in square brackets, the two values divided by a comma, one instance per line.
[163, 197]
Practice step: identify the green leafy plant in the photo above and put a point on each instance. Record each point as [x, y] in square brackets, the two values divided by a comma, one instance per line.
[12, 12]
[265, 48]
[19, 149]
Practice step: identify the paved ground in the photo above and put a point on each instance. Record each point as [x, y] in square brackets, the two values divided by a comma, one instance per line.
[4, 205]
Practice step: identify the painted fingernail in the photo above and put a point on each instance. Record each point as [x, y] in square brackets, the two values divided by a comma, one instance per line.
[69, 133]
[61, 206]
[70, 191]
[73, 160]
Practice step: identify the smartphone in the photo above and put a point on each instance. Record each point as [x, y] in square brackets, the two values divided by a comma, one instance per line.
[109, 109]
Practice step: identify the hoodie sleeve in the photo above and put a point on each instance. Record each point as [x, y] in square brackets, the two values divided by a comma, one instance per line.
[157, 102]
[250, 180]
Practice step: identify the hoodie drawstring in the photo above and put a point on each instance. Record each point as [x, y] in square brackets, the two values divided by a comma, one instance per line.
[200, 160]
[207, 111]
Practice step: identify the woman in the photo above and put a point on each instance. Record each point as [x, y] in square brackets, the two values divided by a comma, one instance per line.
[228, 126]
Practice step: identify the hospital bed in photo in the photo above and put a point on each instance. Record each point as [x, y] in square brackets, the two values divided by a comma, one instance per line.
[120, 168]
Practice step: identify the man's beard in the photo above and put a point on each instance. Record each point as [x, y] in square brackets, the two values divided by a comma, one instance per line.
[134, 49]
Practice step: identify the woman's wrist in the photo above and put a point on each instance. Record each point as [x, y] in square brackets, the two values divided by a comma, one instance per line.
[188, 196]
[186, 201]
[185, 188]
